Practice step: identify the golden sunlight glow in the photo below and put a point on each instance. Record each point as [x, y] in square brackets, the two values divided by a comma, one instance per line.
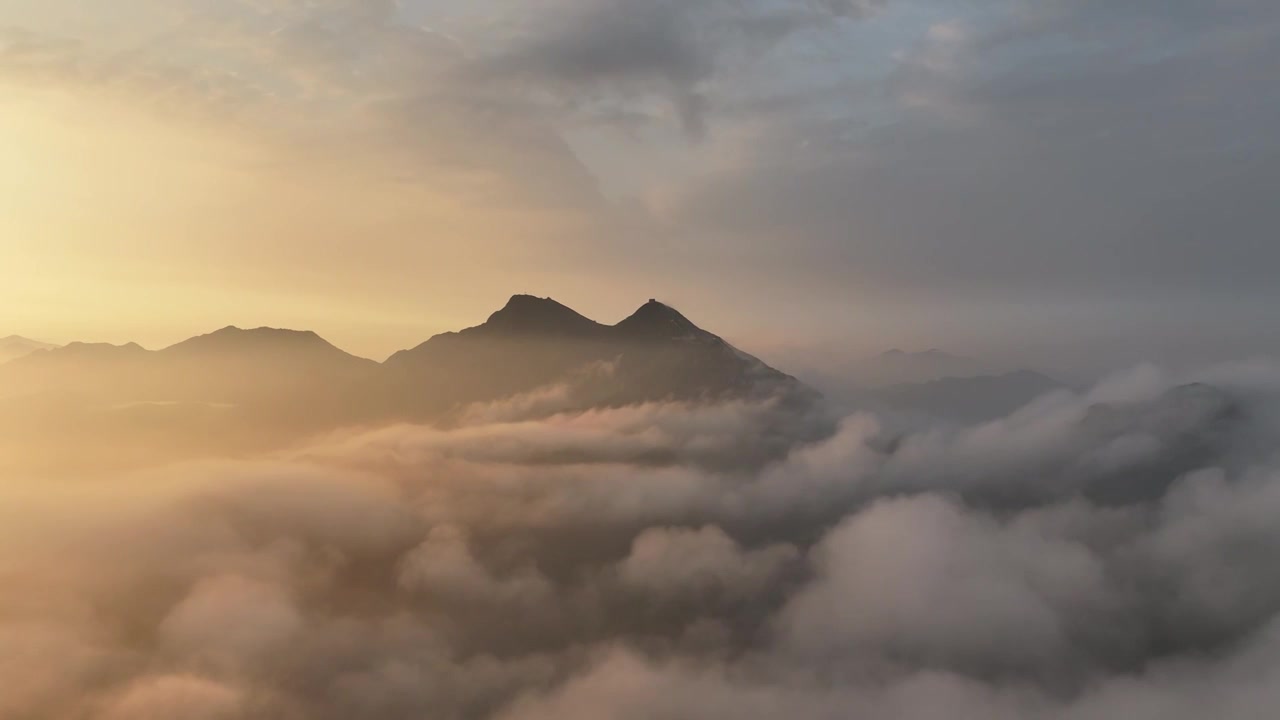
[107, 207]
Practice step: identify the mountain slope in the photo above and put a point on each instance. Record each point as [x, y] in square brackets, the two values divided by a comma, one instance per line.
[528, 343]
[662, 354]
[16, 346]
[239, 389]
[654, 354]
[260, 365]
[230, 365]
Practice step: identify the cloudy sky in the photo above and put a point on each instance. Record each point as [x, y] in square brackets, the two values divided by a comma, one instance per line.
[1016, 177]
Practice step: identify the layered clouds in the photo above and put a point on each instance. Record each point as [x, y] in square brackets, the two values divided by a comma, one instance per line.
[1052, 171]
[1093, 555]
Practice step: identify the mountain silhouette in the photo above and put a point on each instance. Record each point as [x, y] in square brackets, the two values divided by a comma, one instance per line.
[234, 340]
[529, 315]
[897, 367]
[967, 399]
[252, 367]
[255, 388]
[654, 354]
[262, 362]
[16, 346]
[655, 321]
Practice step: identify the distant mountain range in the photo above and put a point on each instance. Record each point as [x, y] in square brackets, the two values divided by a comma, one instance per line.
[252, 389]
[248, 388]
[966, 399]
[16, 346]
[897, 367]
[655, 354]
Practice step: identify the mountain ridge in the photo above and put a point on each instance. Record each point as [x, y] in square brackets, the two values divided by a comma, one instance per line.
[522, 315]
[256, 388]
[301, 381]
[655, 353]
[974, 398]
[14, 347]
[528, 315]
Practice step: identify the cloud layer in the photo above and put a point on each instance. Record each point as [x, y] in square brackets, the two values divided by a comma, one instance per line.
[1093, 555]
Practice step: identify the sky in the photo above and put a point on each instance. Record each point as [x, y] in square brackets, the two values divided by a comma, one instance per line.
[1046, 180]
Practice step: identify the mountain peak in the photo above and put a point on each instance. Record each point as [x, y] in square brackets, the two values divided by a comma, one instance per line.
[234, 339]
[85, 350]
[18, 342]
[655, 319]
[530, 315]
[267, 333]
[101, 347]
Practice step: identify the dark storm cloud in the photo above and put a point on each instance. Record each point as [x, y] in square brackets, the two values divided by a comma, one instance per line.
[462, 573]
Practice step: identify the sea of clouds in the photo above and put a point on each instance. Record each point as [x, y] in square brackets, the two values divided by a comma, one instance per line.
[1103, 554]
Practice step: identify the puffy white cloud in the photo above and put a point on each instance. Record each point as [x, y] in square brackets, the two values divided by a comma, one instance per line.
[926, 582]
[674, 562]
